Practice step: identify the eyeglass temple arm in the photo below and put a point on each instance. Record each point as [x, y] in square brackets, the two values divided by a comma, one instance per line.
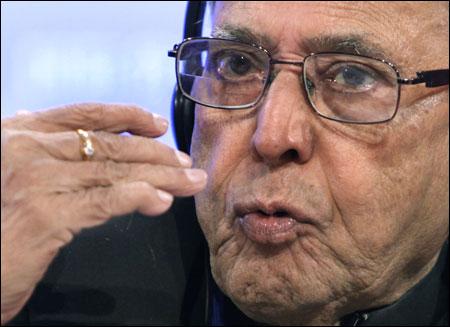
[172, 53]
[431, 78]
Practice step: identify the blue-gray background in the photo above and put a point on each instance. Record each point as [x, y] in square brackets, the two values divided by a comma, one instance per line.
[55, 53]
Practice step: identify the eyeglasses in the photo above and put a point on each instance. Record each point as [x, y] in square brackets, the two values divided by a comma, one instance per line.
[228, 74]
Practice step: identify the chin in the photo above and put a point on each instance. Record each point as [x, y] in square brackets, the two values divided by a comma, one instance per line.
[272, 289]
[280, 308]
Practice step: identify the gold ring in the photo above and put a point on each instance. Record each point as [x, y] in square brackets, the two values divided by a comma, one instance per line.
[86, 147]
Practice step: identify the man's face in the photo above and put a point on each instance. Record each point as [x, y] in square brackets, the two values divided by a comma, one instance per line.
[308, 219]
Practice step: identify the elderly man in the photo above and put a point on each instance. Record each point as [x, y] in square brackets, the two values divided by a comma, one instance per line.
[326, 200]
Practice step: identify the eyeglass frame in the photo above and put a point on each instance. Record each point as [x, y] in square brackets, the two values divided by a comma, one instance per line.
[431, 78]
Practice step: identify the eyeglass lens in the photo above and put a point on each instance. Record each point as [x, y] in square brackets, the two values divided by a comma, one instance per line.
[233, 75]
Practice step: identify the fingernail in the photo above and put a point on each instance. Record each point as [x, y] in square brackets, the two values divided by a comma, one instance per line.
[164, 196]
[183, 158]
[196, 175]
[161, 121]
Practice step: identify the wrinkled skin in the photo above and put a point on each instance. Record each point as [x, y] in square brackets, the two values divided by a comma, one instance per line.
[48, 194]
[379, 193]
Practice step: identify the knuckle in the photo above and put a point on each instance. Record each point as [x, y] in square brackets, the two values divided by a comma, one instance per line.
[174, 180]
[112, 171]
[129, 112]
[183, 176]
[13, 141]
[92, 112]
[24, 182]
[104, 206]
[137, 115]
[7, 123]
[146, 191]
[40, 171]
[109, 145]
[173, 174]
[100, 205]
[192, 182]
[122, 171]
[135, 111]
[146, 148]
[168, 175]
[20, 168]
[151, 202]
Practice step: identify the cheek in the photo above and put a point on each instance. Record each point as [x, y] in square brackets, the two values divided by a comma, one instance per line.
[220, 143]
[373, 189]
[220, 139]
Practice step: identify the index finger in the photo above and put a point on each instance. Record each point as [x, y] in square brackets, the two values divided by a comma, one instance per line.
[113, 118]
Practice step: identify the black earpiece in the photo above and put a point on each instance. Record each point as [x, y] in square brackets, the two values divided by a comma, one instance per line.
[183, 109]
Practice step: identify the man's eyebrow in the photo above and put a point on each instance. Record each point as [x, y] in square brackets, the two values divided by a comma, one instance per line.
[345, 43]
[242, 34]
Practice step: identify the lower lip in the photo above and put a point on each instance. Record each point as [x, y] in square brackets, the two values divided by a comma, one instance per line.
[265, 229]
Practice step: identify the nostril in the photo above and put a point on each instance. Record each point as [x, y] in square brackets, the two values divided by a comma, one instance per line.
[291, 155]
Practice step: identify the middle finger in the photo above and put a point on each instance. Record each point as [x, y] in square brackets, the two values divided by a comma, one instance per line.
[64, 177]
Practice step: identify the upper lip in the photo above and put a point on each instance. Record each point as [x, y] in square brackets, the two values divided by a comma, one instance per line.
[271, 207]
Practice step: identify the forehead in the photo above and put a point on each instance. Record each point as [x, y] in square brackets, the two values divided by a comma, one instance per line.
[400, 29]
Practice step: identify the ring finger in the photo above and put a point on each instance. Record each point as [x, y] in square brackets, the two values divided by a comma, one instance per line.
[109, 146]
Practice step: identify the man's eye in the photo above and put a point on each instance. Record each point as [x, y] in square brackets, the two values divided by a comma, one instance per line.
[234, 67]
[352, 78]
[235, 64]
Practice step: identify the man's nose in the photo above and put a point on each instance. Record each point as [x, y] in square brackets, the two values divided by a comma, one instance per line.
[284, 130]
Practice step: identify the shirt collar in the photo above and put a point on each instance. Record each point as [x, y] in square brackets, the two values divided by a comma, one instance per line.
[423, 305]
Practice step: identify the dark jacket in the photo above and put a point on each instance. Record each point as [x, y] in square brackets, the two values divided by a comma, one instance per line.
[137, 270]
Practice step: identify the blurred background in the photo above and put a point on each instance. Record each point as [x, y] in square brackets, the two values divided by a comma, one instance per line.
[55, 53]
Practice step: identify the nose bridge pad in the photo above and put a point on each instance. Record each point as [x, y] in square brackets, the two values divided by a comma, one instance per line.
[274, 72]
[272, 76]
